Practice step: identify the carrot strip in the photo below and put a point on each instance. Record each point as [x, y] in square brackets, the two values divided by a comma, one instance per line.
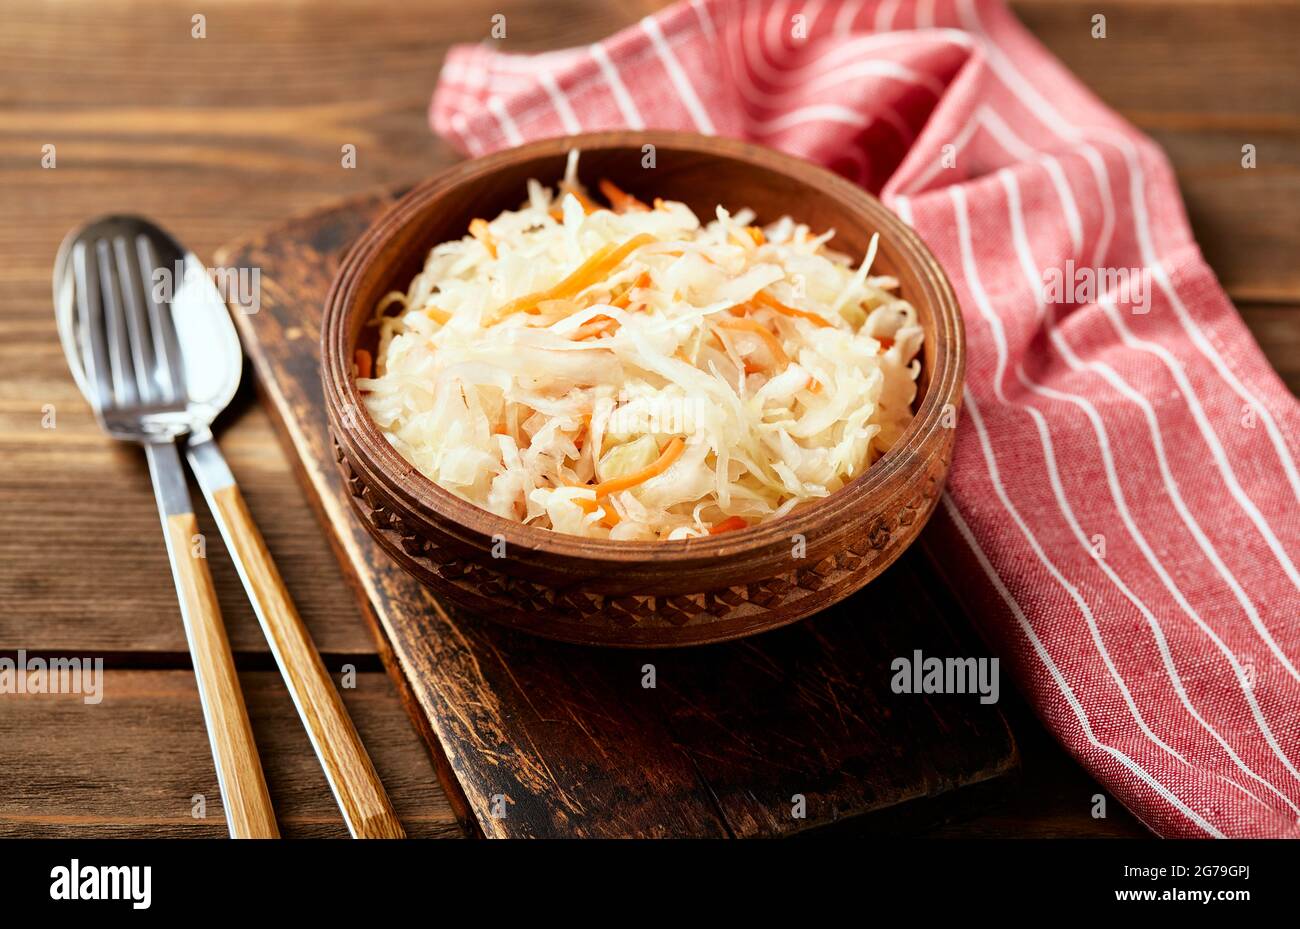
[671, 453]
[625, 298]
[441, 317]
[620, 200]
[771, 302]
[597, 325]
[610, 518]
[604, 260]
[730, 524]
[363, 361]
[772, 342]
[589, 206]
[581, 273]
[478, 228]
[748, 366]
[752, 233]
[628, 247]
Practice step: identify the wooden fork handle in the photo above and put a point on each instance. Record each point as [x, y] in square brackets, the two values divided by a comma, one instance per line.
[247, 802]
[351, 775]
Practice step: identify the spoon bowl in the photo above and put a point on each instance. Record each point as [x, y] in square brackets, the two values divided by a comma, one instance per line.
[208, 358]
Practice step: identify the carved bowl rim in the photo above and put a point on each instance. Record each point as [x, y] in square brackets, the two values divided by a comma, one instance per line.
[365, 443]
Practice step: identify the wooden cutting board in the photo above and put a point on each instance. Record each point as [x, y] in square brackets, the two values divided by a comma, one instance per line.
[773, 735]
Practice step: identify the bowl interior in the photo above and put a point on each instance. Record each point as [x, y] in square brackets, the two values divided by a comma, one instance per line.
[701, 180]
[702, 173]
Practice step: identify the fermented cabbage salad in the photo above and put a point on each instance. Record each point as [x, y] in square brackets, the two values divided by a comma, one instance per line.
[631, 372]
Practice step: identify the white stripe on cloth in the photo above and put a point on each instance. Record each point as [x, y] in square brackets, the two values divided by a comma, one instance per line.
[1028, 94]
[675, 74]
[498, 109]
[568, 118]
[626, 105]
[1021, 241]
[1046, 659]
[981, 300]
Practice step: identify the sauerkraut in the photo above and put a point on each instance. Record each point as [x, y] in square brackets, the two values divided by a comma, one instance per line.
[631, 372]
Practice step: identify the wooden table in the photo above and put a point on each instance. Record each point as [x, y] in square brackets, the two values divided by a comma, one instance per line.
[216, 137]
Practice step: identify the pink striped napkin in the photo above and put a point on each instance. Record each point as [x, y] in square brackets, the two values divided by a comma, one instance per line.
[1122, 509]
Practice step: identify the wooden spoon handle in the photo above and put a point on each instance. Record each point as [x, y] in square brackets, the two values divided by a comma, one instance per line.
[356, 785]
[239, 771]
[247, 802]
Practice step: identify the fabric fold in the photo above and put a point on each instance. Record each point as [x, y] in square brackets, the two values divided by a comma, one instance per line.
[1123, 513]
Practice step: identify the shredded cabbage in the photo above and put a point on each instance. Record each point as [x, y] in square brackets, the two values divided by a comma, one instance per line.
[632, 373]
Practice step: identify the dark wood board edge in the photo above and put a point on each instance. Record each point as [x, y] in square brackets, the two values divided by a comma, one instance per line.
[451, 786]
[936, 800]
[694, 818]
[276, 405]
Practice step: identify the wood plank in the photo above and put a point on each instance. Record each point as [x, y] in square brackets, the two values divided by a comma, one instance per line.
[1053, 797]
[249, 141]
[1239, 215]
[1277, 329]
[83, 548]
[1208, 60]
[132, 764]
[1204, 78]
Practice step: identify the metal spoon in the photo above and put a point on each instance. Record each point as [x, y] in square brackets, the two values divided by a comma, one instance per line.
[109, 317]
[207, 359]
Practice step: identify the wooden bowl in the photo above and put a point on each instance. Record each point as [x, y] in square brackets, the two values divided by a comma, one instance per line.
[644, 593]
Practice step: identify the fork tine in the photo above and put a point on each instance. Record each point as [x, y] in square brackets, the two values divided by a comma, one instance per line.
[166, 345]
[90, 326]
[139, 335]
[125, 392]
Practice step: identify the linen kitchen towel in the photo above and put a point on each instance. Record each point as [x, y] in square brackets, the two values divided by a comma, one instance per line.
[1124, 503]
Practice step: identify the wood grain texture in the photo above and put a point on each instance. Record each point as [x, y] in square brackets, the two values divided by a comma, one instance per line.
[351, 775]
[547, 739]
[91, 570]
[239, 769]
[1204, 78]
[660, 593]
[1277, 329]
[224, 136]
[137, 763]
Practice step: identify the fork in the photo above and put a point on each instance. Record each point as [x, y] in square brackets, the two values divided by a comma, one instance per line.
[130, 348]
